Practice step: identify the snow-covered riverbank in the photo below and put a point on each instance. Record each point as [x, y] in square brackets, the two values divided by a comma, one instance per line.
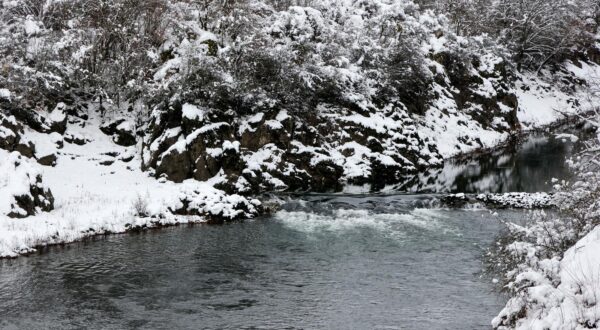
[99, 188]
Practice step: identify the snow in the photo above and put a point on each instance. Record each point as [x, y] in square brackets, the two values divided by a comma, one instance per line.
[566, 136]
[31, 27]
[542, 103]
[274, 124]
[58, 114]
[92, 199]
[375, 122]
[192, 112]
[17, 175]
[44, 145]
[266, 157]
[125, 126]
[574, 302]
[5, 94]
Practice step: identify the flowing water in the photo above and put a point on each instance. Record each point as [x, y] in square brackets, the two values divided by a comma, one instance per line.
[324, 262]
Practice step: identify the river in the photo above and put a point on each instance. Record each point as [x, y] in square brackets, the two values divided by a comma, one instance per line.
[340, 261]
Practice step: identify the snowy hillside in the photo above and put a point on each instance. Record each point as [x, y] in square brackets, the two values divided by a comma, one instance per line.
[184, 109]
[123, 115]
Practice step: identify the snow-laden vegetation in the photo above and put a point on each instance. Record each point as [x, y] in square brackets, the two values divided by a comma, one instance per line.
[549, 263]
[125, 114]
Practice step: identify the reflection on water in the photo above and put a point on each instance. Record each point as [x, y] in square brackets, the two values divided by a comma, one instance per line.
[528, 167]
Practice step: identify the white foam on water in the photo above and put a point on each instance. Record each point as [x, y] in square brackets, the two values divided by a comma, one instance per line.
[344, 221]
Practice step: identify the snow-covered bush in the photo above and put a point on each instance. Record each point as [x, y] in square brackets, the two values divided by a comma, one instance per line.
[140, 206]
[535, 258]
[535, 32]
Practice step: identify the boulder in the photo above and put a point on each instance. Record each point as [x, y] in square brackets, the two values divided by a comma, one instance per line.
[47, 160]
[11, 138]
[31, 118]
[122, 132]
[175, 165]
[57, 119]
[75, 139]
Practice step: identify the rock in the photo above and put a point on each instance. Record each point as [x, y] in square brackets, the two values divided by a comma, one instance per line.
[78, 111]
[192, 117]
[175, 165]
[501, 201]
[48, 160]
[57, 139]
[106, 162]
[31, 118]
[8, 138]
[263, 135]
[127, 158]
[383, 174]
[216, 206]
[11, 137]
[23, 192]
[206, 167]
[455, 200]
[38, 197]
[122, 132]
[325, 176]
[74, 139]
[26, 149]
[57, 119]
[124, 138]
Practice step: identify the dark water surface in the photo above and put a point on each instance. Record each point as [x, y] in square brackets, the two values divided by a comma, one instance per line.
[325, 262]
[528, 167]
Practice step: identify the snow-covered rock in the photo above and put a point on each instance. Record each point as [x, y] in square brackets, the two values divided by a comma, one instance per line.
[22, 192]
[121, 130]
[57, 119]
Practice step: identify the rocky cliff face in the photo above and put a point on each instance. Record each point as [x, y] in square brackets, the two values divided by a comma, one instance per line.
[22, 192]
[335, 144]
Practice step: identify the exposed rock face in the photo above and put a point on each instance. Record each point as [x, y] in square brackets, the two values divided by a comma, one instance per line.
[274, 151]
[41, 121]
[483, 89]
[57, 119]
[122, 132]
[359, 140]
[22, 192]
[11, 137]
